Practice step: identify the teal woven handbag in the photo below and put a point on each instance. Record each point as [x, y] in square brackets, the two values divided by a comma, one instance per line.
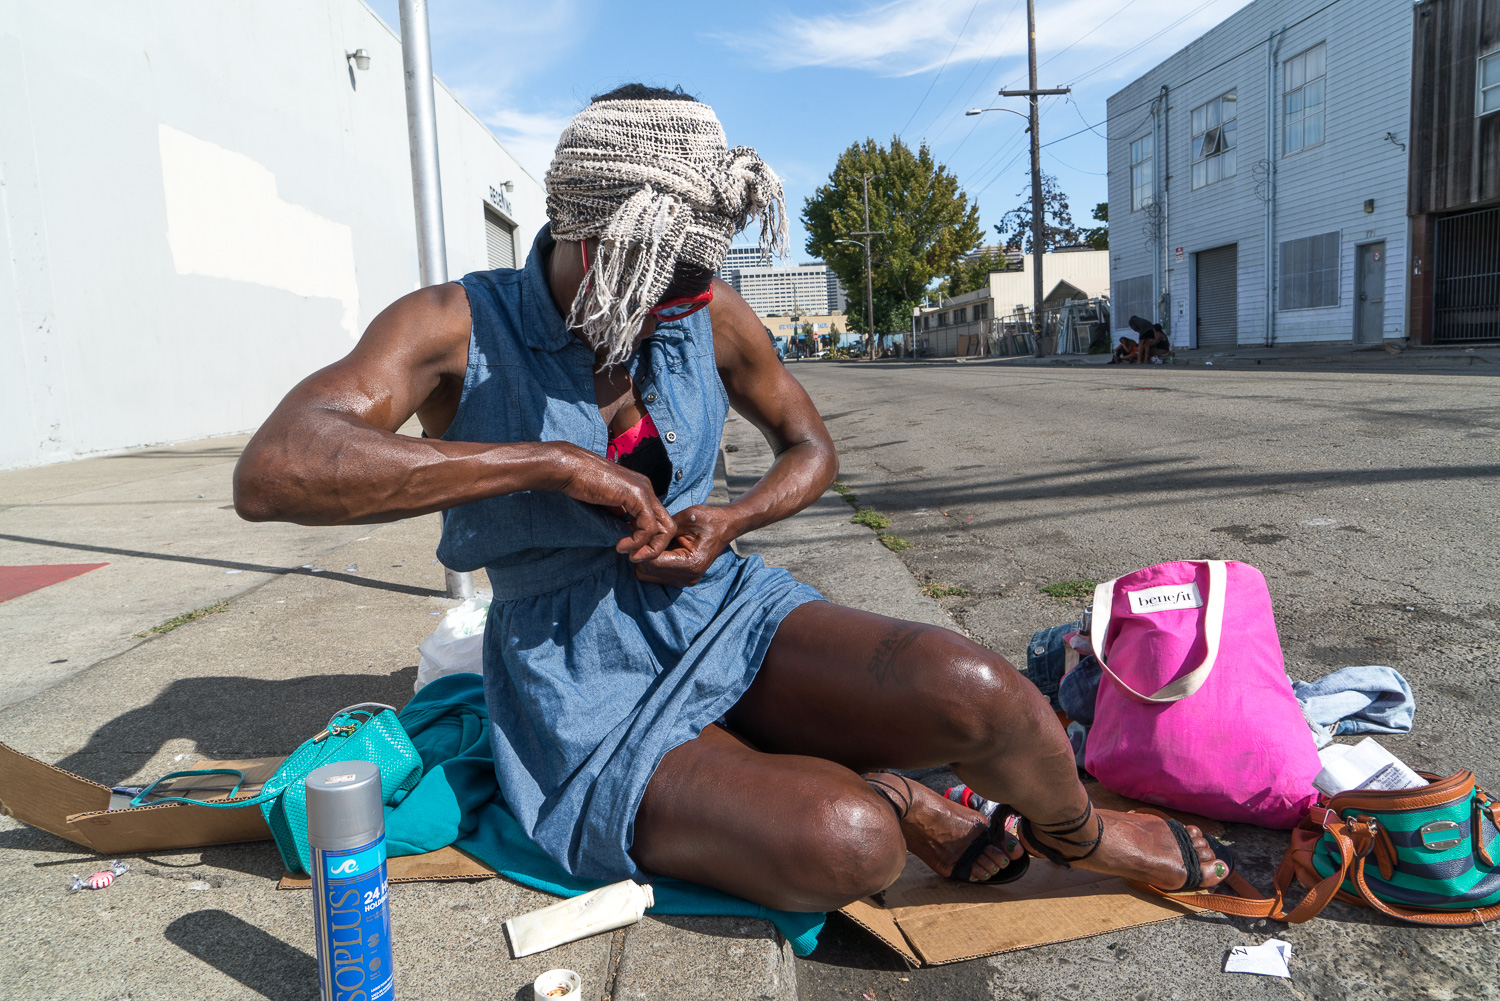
[1425, 855]
[353, 734]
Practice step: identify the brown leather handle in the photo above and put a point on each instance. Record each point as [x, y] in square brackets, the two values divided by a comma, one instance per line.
[1446, 919]
[1247, 902]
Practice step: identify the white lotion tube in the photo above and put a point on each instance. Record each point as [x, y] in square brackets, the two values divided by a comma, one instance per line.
[601, 910]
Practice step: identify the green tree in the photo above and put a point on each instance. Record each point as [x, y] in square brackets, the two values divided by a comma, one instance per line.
[929, 224]
[1098, 236]
[1058, 229]
[970, 273]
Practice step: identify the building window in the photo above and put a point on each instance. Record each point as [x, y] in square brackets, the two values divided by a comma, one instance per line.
[1310, 272]
[1131, 297]
[961, 315]
[1214, 140]
[1140, 173]
[942, 319]
[981, 310]
[927, 322]
[1302, 107]
[1489, 83]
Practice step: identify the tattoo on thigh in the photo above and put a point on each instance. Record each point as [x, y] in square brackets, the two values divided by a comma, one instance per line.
[891, 646]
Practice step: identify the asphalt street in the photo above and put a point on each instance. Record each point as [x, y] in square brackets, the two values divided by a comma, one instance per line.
[1368, 499]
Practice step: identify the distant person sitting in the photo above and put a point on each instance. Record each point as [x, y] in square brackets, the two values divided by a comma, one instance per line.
[1154, 345]
[1125, 351]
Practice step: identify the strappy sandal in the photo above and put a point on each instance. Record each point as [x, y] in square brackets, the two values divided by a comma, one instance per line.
[1190, 861]
[993, 834]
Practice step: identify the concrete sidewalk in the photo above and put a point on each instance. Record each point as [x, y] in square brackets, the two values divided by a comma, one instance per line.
[254, 679]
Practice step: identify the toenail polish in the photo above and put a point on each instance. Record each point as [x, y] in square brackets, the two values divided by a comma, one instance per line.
[1219, 869]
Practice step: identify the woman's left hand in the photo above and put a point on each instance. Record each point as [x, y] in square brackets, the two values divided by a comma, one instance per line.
[702, 534]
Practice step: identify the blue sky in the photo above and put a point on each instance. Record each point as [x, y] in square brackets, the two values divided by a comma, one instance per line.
[801, 82]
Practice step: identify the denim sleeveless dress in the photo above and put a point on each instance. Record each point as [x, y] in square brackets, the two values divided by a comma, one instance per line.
[591, 675]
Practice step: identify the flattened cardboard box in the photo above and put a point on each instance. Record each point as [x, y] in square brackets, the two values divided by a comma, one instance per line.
[75, 808]
[925, 918]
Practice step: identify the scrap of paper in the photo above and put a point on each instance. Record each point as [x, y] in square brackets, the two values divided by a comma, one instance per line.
[1268, 959]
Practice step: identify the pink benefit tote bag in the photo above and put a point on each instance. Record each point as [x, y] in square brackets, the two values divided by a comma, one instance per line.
[1195, 711]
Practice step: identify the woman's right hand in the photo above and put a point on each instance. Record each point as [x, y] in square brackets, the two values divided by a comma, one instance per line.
[591, 479]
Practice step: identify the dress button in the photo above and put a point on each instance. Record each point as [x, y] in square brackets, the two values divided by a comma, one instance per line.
[671, 436]
[650, 397]
[677, 475]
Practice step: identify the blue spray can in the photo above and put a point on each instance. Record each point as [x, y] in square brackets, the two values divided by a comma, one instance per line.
[351, 915]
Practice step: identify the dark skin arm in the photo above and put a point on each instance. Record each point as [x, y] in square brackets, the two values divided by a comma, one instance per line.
[761, 390]
[329, 453]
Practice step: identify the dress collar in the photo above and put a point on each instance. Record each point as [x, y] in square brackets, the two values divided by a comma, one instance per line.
[543, 327]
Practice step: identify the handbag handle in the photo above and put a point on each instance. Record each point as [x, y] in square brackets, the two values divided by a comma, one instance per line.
[1213, 628]
[1246, 902]
[139, 798]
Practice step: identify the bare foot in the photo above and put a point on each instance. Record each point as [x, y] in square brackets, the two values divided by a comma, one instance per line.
[1139, 846]
[938, 830]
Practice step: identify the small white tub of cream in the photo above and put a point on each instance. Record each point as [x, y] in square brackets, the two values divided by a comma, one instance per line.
[557, 985]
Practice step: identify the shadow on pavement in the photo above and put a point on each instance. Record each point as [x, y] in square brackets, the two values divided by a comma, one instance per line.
[381, 585]
[263, 963]
[230, 717]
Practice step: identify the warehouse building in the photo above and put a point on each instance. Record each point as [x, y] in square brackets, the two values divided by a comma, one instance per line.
[204, 203]
[1257, 179]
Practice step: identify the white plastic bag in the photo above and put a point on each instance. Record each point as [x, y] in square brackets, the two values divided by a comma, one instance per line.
[457, 644]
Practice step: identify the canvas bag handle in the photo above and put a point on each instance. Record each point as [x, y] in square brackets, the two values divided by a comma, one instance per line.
[1213, 627]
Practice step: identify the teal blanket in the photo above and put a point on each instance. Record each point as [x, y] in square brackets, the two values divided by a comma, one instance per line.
[458, 802]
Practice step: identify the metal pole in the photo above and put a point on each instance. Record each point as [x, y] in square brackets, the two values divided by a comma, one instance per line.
[426, 182]
[1038, 219]
[1038, 228]
[869, 281]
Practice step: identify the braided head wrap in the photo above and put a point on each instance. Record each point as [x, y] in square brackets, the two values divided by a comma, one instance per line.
[657, 184]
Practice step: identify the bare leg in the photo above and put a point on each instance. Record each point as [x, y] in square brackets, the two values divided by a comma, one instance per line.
[871, 692]
[786, 831]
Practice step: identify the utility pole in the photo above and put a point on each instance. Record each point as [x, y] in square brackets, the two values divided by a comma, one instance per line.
[426, 185]
[1038, 224]
[869, 281]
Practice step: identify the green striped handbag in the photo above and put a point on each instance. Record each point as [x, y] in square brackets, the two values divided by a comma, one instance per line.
[1424, 855]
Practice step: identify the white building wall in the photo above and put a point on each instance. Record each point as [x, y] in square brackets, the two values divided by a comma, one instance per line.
[1318, 190]
[1086, 269]
[201, 205]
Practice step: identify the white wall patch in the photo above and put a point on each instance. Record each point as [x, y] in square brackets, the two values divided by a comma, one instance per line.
[225, 220]
[1164, 597]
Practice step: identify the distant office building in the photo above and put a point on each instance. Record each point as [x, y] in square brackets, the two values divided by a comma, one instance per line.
[806, 288]
[743, 257]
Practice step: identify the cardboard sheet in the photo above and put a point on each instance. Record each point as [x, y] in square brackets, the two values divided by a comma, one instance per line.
[925, 918]
[931, 920]
[75, 808]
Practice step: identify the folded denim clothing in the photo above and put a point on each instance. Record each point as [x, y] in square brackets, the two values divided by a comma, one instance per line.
[1363, 699]
[1079, 689]
[1046, 658]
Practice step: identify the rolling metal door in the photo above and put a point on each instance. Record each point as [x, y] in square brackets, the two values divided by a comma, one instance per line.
[1218, 297]
[499, 241]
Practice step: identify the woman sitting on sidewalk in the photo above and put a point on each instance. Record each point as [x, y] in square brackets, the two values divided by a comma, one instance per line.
[659, 703]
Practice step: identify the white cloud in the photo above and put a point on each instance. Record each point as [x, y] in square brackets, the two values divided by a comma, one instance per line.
[529, 136]
[907, 37]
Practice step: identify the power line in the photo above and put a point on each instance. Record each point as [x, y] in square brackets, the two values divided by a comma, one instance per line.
[1196, 76]
[993, 37]
[954, 48]
[1086, 34]
[1147, 41]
